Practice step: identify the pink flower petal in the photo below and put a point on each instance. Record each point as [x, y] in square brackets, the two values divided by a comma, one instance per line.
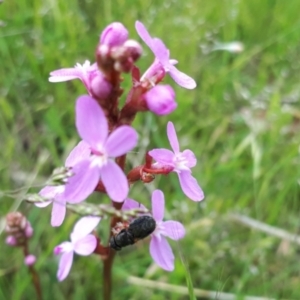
[91, 122]
[190, 157]
[190, 186]
[83, 227]
[162, 253]
[48, 192]
[66, 74]
[80, 152]
[143, 33]
[161, 52]
[82, 183]
[131, 204]
[86, 245]
[163, 156]
[158, 205]
[182, 79]
[115, 181]
[63, 247]
[174, 230]
[65, 265]
[120, 141]
[172, 136]
[58, 212]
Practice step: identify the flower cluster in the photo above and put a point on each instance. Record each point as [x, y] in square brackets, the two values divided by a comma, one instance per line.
[97, 163]
[19, 231]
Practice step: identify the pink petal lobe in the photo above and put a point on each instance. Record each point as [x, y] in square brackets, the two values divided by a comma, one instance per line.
[86, 245]
[143, 33]
[79, 152]
[181, 78]
[161, 52]
[114, 181]
[66, 74]
[190, 157]
[131, 204]
[172, 136]
[158, 205]
[82, 183]
[91, 122]
[190, 186]
[120, 141]
[83, 227]
[49, 192]
[58, 212]
[163, 156]
[162, 253]
[174, 230]
[65, 265]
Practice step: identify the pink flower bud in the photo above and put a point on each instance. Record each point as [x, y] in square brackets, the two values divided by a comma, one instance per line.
[134, 48]
[28, 230]
[11, 240]
[29, 260]
[114, 34]
[161, 99]
[100, 87]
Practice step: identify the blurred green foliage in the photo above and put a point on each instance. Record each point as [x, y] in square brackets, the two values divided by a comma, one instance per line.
[242, 122]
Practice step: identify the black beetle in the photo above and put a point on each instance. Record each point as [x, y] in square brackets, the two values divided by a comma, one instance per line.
[138, 229]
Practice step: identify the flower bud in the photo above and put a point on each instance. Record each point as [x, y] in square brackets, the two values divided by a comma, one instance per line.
[161, 99]
[28, 230]
[11, 240]
[30, 260]
[18, 229]
[114, 34]
[15, 221]
[100, 87]
[134, 49]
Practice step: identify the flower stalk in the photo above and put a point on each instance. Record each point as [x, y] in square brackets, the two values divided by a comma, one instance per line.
[98, 162]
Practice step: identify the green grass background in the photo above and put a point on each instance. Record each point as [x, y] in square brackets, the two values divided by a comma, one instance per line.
[242, 121]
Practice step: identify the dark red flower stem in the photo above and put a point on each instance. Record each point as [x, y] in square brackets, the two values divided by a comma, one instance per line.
[34, 274]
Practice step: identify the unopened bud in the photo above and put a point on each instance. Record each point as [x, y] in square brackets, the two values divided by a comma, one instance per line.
[28, 230]
[161, 99]
[114, 34]
[15, 220]
[11, 240]
[18, 229]
[30, 260]
[60, 176]
[134, 49]
[100, 87]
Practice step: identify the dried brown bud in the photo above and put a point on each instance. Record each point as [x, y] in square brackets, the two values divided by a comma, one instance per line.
[18, 229]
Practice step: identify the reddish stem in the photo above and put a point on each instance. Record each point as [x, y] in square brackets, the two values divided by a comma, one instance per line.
[34, 275]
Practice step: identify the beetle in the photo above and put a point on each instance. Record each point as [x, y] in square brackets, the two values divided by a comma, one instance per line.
[125, 235]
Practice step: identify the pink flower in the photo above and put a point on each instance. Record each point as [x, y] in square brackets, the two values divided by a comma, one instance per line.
[161, 99]
[55, 194]
[181, 163]
[162, 59]
[160, 249]
[114, 34]
[82, 243]
[92, 127]
[90, 75]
